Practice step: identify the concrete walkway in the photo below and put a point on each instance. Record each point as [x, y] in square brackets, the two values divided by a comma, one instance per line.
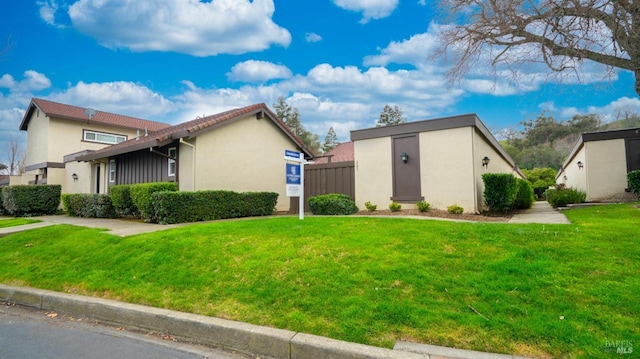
[540, 212]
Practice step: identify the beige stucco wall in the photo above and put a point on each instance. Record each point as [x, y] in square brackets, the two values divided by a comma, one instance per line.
[84, 183]
[37, 139]
[186, 169]
[576, 177]
[605, 165]
[373, 172]
[246, 155]
[446, 168]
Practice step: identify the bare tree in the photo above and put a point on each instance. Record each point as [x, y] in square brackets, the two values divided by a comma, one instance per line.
[15, 156]
[558, 33]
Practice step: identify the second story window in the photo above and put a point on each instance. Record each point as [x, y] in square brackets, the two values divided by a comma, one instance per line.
[101, 137]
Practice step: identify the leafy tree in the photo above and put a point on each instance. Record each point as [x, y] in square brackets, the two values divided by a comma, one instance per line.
[291, 117]
[330, 141]
[557, 33]
[541, 178]
[390, 116]
[543, 130]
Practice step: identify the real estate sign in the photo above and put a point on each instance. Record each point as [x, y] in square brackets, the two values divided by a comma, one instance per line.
[293, 180]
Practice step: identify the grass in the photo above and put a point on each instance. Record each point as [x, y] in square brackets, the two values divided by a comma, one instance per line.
[12, 222]
[531, 290]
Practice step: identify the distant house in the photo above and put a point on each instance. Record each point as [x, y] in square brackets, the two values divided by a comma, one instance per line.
[440, 161]
[240, 150]
[57, 134]
[343, 152]
[599, 162]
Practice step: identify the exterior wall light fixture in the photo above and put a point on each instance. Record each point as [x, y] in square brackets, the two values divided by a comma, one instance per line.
[404, 157]
[580, 164]
[75, 177]
[485, 162]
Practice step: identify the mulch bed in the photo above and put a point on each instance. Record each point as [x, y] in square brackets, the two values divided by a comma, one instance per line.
[436, 213]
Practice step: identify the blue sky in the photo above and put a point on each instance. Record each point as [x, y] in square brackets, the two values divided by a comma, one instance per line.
[338, 61]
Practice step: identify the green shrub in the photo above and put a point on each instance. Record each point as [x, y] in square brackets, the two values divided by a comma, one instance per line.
[2, 211]
[455, 209]
[563, 196]
[332, 204]
[370, 206]
[499, 191]
[181, 207]
[88, 205]
[634, 182]
[142, 199]
[121, 200]
[423, 206]
[31, 200]
[525, 194]
[395, 206]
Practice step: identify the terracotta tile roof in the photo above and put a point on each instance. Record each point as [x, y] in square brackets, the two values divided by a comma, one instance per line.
[55, 109]
[191, 129]
[341, 153]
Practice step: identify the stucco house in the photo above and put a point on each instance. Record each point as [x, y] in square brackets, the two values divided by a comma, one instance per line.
[440, 161]
[599, 162]
[240, 150]
[58, 133]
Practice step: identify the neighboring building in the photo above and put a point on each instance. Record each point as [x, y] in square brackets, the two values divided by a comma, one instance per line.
[58, 133]
[240, 150]
[439, 161]
[343, 152]
[599, 162]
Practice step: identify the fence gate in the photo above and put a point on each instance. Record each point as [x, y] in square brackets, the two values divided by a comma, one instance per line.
[326, 178]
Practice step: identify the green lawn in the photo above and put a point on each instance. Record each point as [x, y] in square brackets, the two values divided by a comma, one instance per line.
[12, 222]
[532, 290]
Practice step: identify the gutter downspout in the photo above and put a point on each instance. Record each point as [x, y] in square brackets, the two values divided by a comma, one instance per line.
[193, 164]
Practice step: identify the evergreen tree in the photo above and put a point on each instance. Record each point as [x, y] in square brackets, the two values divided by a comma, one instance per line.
[291, 118]
[330, 141]
[390, 116]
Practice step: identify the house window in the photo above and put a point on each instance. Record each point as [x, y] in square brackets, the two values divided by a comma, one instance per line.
[172, 161]
[101, 137]
[112, 170]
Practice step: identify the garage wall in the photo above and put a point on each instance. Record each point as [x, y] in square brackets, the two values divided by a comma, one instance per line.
[373, 172]
[605, 165]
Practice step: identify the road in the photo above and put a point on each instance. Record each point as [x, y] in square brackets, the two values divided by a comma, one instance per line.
[31, 333]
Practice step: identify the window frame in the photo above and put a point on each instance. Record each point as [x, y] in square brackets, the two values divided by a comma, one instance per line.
[171, 161]
[116, 137]
[112, 171]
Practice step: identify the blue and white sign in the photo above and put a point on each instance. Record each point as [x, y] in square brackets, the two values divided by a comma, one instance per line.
[288, 154]
[293, 173]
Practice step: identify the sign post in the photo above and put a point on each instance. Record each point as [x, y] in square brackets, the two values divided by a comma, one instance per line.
[295, 178]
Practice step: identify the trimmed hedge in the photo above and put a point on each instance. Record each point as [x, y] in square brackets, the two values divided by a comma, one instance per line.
[634, 182]
[88, 205]
[525, 194]
[564, 196]
[141, 196]
[23, 200]
[332, 204]
[180, 207]
[121, 200]
[500, 190]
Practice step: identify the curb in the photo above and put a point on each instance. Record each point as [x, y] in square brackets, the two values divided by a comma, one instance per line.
[248, 338]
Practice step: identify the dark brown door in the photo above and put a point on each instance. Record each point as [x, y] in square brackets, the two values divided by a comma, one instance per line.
[633, 154]
[406, 169]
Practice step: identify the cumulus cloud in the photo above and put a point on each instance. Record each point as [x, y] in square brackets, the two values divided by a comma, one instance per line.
[312, 37]
[371, 9]
[33, 81]
[258, 71]
[47, 10]
[185, 26]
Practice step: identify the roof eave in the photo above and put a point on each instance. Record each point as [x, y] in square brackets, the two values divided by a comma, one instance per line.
[119, 151]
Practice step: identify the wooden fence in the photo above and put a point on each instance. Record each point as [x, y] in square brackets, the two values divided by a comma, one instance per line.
[326, 178]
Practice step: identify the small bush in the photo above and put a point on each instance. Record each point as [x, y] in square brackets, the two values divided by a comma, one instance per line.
[332, 204]
[525, 194]
[455, 209]
[633, 178]
[121, 200]
[32, 200]
[370, 206]
[142, 199]
[423, 206]
[395, 206]
[88, 205]
[564, 196]
[499, 191]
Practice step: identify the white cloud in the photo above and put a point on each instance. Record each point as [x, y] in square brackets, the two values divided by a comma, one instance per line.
[371, 9]
[33, 81]
[258, 71]
[312, 37]
[610, 112]
[412, 51]
[185, 26]
[47, 10]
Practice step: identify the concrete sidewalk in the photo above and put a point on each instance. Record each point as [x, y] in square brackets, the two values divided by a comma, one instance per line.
[541, 212]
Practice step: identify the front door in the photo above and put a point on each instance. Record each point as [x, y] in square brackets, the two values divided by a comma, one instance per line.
[98, 178]
[633, 154]
[406, 169]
